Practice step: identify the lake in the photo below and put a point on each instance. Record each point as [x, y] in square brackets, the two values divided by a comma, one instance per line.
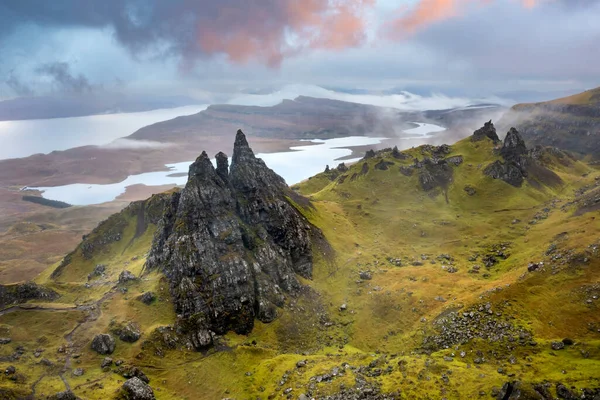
[295, 165]
[24, 138]
[300, 163]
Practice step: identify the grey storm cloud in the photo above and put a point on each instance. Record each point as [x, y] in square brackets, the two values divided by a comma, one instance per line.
[17, 85]
[63, 79]
[240, 29]
[477, 44]
[556, 40]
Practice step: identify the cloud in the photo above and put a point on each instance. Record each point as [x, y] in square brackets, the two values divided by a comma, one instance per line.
[427, 12]
[266, 31]
[18, 86]
[63, 79]
[402, 101]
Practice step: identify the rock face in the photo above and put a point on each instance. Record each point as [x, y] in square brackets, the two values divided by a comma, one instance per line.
[136, 389]
[231, 245]
[20, 293]
[103, 344]
[488, 130]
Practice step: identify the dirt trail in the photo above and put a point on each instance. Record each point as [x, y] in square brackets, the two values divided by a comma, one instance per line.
[93, 312]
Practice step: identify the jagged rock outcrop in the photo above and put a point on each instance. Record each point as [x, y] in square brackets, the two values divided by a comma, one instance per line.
[231, 245]
[488, 130]
[520, 163]
[20, 293]
[516, 160]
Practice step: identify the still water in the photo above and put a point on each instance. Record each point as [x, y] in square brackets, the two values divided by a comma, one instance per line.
[24, 138]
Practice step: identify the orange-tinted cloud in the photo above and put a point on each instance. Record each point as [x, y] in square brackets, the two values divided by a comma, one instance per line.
[427, 12]
[269, 31]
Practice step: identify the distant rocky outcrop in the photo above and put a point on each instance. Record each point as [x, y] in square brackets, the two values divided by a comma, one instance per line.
[519, 163]
[487, 131]
[231, 245]
[20, 293]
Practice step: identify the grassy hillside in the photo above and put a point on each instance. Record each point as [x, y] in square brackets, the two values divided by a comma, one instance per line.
[448, 293]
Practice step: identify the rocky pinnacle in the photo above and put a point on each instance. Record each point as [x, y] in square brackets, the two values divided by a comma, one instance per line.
[231, 245]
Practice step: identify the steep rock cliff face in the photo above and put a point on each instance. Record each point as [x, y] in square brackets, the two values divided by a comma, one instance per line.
[231, 245]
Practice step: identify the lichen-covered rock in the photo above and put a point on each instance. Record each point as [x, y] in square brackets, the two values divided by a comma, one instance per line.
[136, 389]
[103, 343]
[231, 245]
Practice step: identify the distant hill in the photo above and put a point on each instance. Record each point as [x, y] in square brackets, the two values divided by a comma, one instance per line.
[570, 123]
[46, 107]
[304, 118]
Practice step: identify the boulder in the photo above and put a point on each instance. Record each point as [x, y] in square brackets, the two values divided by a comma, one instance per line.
[369, 154]
[130, 332]
[342, 167]
[383, 165]
[147, 297]
[103, 343]
[99, 270]
[126, 276]
[136, 389]
[470, 190]
[66, 395]
[107, 362]
[557, 345]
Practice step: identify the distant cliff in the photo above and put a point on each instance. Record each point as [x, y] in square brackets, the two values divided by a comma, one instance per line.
[571, 123]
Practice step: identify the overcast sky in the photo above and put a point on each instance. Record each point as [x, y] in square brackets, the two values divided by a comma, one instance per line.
[190, 47]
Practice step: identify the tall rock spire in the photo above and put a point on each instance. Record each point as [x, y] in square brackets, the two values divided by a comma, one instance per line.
[231, 245]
